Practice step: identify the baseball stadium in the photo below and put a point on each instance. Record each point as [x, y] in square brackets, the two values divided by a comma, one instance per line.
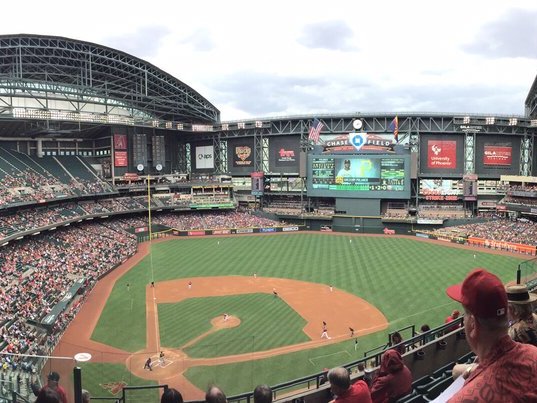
[148, 245]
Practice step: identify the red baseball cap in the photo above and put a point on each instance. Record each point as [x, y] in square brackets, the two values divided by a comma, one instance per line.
[481, 293]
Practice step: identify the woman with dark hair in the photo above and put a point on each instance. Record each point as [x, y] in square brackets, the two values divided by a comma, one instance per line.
[396, 339]
[171, 395]
[393, 379]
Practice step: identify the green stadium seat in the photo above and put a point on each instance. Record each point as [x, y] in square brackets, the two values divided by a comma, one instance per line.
[445, 370]
[434, 391]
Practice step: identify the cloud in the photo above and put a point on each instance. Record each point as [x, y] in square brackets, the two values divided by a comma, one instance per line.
[200, 40]
[514, 35]
[258, 95]
[331, 35]
[143, 43]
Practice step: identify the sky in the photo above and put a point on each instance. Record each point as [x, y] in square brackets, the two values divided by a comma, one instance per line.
[261, 59]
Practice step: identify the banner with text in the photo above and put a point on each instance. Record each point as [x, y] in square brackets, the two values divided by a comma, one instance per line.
[120, 159]
[497, 155]
[204, 157]
[441, 154]
[284, 154]
[240, 155]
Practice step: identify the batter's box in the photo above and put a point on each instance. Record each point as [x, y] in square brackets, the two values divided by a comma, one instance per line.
[165, 363]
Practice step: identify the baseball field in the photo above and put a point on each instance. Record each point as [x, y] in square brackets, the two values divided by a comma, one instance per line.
[276, 290]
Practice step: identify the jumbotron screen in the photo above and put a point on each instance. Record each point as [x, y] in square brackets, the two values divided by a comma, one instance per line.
[359, 176]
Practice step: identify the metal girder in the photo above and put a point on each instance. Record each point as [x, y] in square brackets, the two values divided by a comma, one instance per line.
[469, 152]
[258, 151]
[107, 72]
[531, 101]
[220, 155]
[188, 156]
[526, 155]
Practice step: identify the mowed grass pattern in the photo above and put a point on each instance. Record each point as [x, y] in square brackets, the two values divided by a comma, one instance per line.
[403, 277]
[261, 326]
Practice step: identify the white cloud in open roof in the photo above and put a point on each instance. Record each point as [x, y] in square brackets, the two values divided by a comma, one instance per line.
[261, 59]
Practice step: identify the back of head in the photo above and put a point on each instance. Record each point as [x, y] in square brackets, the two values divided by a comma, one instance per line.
[262, 394]
[483, 295]
[215, 395]
[171, 395]
[340, 378]
[85, 396]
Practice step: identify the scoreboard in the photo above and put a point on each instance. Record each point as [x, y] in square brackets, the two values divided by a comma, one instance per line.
[359, 176]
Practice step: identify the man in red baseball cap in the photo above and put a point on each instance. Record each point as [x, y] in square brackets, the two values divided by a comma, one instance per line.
[507, 370]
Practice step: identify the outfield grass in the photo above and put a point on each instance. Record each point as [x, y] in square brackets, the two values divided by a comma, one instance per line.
[404, 278]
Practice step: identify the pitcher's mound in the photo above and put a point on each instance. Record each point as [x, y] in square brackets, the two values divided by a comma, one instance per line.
[220, 323]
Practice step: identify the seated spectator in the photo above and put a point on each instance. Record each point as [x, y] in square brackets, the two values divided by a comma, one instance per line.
[393, 380]
[171, 395]
[262, 394]
[523, 322]
[507, 370]
[425, 329]
[454, 315]
[86, 396]
[397, 339]
[340, 385]
[215, 395]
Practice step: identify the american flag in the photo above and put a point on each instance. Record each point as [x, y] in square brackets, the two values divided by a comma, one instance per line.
[394, 127]
[315, 130]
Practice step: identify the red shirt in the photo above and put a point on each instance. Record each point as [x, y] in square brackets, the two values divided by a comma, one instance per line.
[357, 393]
[394, 379]
[60, 391]
[507, 374]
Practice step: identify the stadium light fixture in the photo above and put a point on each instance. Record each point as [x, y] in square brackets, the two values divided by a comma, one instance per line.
[533, 123]
[258, 124]
[466, 120]
[490, 120]
[513, 121]
[225, 126]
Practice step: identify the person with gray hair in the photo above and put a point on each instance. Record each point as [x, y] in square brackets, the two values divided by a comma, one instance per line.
[522, 320]
[345, 392]
[85, 396]
[262, 394]
[215, 395]
[507, 370]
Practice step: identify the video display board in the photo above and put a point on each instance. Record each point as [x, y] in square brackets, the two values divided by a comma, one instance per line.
[359, 176]
[441, 155]
[284, 154]
[497, 155]
[240, 155]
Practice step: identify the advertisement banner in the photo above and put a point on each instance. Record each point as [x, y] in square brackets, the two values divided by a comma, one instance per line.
[284, 154]
[439, 187]
[240, 155]
[120, 141]
[245, 231]
[288, 229]
[204, 157]
[267, 229]
[243, 156]
[441, 154]
[120, 159]
[503, 245]
[497, 155]
[221, 232]
[196, 233]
